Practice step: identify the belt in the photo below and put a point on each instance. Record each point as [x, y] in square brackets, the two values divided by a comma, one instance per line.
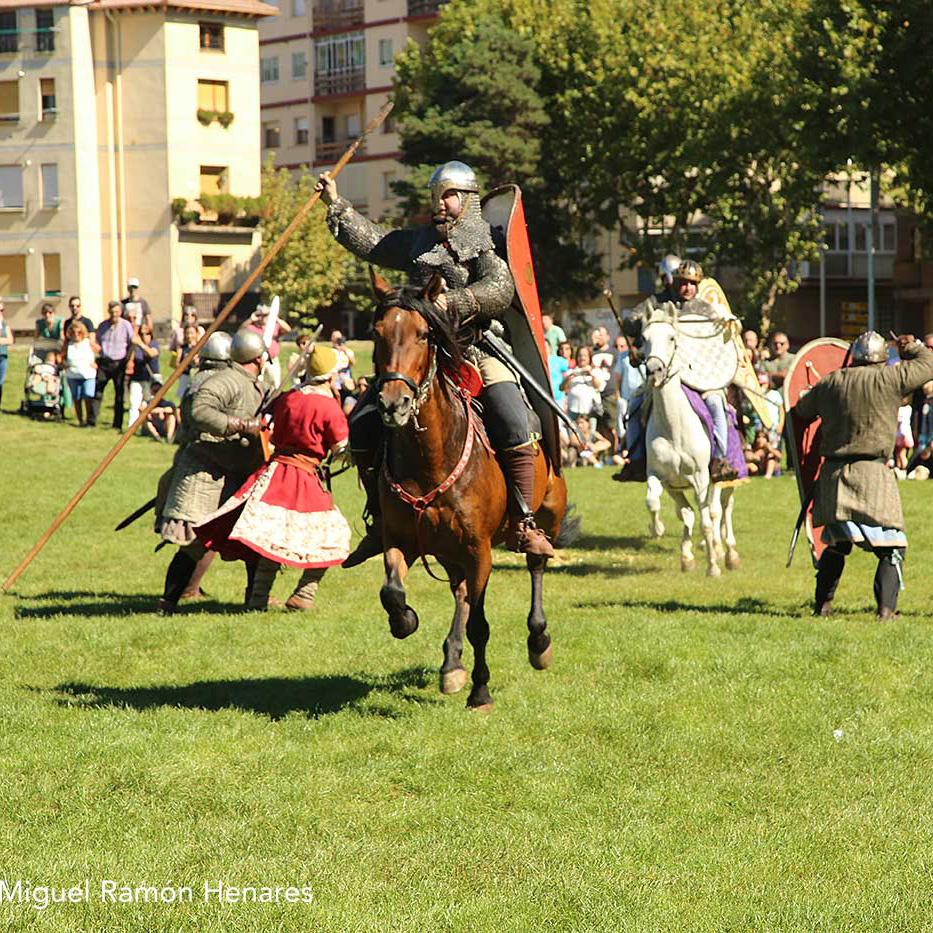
[297, 459]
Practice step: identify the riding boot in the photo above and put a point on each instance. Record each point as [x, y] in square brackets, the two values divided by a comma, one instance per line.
[176, 579]
[193, 589]
[303, 597]
[263, 576]
[634, 471]
[371, 543]
[828, 572]
[721, 471]
[523, 535]
[888, 583]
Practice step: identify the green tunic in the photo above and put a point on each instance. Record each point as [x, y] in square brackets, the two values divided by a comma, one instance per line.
[859, 406]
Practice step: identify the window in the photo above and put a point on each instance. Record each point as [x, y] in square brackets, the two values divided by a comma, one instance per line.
[212, 96]
[211, 269]
[49, 178]
[388, 124]
[13, 277]
[335, 54]
[861, 238]
[271, 136]
[298, 8]
[842, 237]
[351, 126]
[268, 70]
[9, 32]
[387, 179]
[889, 237]
[301, 131]
[386, 53]
[51, 275]
[299, 65]
[9, 101]
[328, 129]
[11, 189]
[212, 36]
[47, 93]
[214, 179]
[45, 34]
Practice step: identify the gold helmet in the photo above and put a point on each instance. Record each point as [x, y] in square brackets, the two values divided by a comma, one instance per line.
[689, 271]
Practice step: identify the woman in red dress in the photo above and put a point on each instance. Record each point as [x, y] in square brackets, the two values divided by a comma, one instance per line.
[282, 514]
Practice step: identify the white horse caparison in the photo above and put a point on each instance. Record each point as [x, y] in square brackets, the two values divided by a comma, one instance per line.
[679, 455]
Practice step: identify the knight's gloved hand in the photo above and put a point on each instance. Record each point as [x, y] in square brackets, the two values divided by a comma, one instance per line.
[245, 426]
[908, 346]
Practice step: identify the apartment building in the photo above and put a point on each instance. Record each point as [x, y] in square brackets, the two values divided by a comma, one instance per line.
[110, 111]
[326, 69]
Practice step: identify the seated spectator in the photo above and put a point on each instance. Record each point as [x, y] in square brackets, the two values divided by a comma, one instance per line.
[762, 458]
[145, 369]
[349, 403]
[162, 420]
[49, 327]
[188, 317]
[190, 338]
[80, 367]
[591, 446]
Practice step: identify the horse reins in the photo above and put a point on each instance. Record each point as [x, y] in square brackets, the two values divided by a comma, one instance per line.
[420, 391]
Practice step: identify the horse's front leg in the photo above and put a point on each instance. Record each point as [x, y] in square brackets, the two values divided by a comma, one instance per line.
[704, 491]
[732, 554]
[453, 673]
[478, 629]
[687, 562]
[403, 620]
[540, 651]
[653, 501]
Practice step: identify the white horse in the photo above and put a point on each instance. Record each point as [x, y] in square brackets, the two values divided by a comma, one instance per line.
[679, 455]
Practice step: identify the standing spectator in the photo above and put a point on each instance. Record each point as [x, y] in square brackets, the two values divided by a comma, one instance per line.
[781, 358]
[189, 339]
[918, 398]
[135, 307]
[80, 369]
[628, 380]
[145, 369]
[188, 317]
[903, 438]
[583, 386]
[115, 337]
[553, 333]
[272, 370]
[6, 341]
[752, 353]
[923, 432]
[346, 359]
[74, 307]
[298, 377]
[601, 348]
[49, 326]
[566, 351]
[557, 369]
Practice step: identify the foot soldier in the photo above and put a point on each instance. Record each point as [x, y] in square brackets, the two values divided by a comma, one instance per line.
[282, 514]
[856, 498]
[681, 277]
[459, 246]
[220, 437]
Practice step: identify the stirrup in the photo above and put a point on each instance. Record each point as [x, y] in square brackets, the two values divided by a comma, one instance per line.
[525, 537]
[635, 471]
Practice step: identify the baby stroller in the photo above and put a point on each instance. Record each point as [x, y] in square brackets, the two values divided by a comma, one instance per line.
[43, 387]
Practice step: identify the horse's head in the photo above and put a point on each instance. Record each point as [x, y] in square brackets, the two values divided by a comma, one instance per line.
[408, 330]
[659, 351]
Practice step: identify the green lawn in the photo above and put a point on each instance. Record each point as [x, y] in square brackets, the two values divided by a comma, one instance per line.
[701, 756]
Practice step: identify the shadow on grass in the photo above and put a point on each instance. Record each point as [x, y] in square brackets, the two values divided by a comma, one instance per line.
[274, 697]
[583, 569]
[106, 603]
[745, 605]
[610, 542]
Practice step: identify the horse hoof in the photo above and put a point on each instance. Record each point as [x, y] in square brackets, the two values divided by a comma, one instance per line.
[720, 552]
[404, 624]
[732, 560]
[543, 660]
[479, 699]
[453, 681]
[480, 707]
[713, 571]
[687, 565]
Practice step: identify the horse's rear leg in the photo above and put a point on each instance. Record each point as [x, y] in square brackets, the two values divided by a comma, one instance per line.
[540, 651]
[653, 501]
[732, 554]
[403, 620]
[478, 630]
[715, 516]
[687, 516]
[704, 495]
[453, 674]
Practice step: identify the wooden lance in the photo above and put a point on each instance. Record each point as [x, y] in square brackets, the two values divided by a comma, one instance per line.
[186, 362]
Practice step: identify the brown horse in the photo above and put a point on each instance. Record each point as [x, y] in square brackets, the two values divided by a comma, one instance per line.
[441, 490]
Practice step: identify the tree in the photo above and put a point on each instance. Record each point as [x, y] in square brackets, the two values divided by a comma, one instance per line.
[472, 92]
[312, 267]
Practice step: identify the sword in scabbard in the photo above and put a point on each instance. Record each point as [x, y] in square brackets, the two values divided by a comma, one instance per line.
[502, 352]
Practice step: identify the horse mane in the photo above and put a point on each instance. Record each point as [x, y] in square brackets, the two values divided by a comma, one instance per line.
[443, 325]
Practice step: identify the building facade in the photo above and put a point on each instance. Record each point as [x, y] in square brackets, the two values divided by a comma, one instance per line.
[110, 111]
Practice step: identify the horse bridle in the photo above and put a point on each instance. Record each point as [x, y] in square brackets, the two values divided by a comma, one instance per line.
[669, 372]
[419, 390]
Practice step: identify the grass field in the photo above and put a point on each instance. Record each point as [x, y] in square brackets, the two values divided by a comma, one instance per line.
[701, 756]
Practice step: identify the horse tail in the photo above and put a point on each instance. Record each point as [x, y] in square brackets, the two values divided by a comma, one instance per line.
[570, 527]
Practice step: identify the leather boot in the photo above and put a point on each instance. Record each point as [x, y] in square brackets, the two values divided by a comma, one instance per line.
[176, 579]
[720, 471]
[371, 543]
[261, 580]
[523, 535]
[193, 589]
[635, 471]
[303, 597]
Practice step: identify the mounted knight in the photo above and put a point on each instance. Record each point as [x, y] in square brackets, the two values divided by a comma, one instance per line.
[459, 246]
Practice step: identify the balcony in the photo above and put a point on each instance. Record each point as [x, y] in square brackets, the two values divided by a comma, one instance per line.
[849, 265]
[337, 15]
[424, 7]
[209, 304]
[342, 81]
[330, 150]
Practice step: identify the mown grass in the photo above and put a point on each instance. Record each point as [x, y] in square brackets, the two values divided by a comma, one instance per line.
[676, 769]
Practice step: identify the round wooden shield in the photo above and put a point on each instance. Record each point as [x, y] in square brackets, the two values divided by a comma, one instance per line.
[812, 361]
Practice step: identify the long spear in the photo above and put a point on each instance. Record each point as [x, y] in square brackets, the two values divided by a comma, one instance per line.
[186, 362]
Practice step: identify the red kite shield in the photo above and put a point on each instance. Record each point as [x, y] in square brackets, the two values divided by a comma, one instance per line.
[502, 210]
[813, 361]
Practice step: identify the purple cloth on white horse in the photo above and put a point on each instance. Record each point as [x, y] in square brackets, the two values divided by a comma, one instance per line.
[735, 456]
